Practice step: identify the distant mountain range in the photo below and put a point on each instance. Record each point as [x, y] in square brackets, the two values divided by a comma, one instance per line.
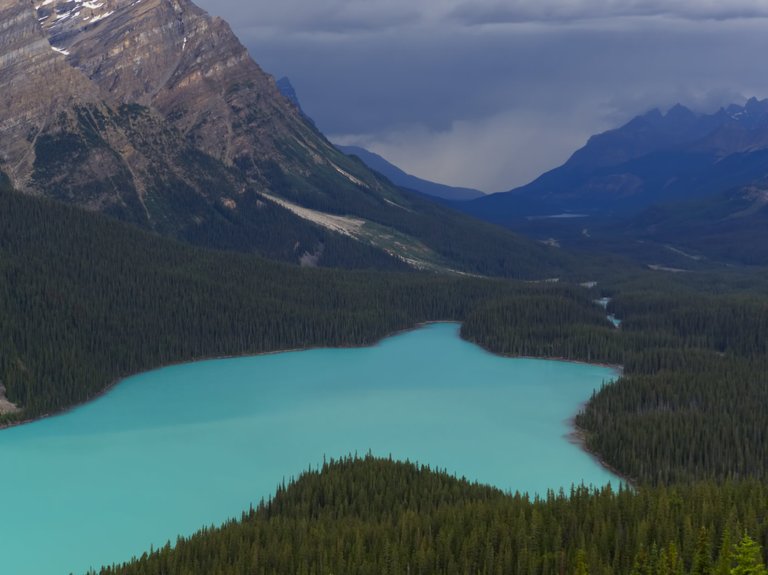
[153, 112]
[286, 88]
[407, 181]
[655, 158]
[656, 188]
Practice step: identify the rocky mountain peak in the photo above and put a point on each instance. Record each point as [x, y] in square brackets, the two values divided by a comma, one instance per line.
[679, 113]
[153, 71]
[60, 17]
[128, 47]
[288, 91]
[38, 89]
[757, 111]
[173, 57]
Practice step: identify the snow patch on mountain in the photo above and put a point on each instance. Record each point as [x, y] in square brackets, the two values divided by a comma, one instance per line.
[54, 14]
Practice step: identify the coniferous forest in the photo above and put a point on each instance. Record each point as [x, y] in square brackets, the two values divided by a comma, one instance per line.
[373, 516]
[85, 301]
[691, 402]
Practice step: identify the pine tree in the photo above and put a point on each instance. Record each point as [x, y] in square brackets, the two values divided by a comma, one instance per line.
[747, 558]
[723, 566]
[702, 558]
[580, 564]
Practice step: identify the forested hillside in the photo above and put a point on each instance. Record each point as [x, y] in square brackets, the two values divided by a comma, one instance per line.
[692, 405]
[373, 517]
[86, 300]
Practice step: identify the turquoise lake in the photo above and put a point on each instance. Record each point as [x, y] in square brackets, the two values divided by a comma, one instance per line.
[172, 450]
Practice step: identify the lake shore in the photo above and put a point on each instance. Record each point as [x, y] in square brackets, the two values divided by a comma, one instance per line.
[576, 435]
[112, 385]
[6, 407]
[107, 389]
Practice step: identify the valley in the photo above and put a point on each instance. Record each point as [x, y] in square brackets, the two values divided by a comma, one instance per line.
[212, 318]
[662, 189]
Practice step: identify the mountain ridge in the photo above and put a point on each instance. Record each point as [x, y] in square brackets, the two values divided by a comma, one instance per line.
[653, 158]
[672, 190]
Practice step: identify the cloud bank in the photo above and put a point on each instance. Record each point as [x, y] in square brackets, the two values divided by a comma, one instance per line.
[342, 16]
[490, 94]
[558, 11]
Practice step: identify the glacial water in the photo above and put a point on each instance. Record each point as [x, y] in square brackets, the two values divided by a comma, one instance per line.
[172, 450]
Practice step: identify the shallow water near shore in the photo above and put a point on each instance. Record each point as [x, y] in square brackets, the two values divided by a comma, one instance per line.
[175, 449]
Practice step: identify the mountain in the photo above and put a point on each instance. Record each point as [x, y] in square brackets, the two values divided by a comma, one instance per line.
[289, 93]
[655, 158]
[64, 135]
[407, 181]
[153, 112]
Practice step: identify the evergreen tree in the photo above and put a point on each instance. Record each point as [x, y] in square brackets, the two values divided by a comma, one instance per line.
[580, 563]
[747, 558]
[702, 558]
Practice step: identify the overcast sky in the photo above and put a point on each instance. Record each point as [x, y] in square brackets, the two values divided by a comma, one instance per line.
[491, 93]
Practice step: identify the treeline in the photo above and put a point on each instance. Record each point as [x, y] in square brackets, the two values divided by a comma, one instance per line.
[535, 324]
[85, 300]
[378, 517]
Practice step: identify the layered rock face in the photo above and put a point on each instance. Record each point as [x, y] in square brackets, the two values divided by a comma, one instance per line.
[173, 57]
[80, 71]
[63, 136]
[38, 89]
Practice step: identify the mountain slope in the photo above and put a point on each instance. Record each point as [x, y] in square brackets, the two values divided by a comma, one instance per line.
[196, 73]
[158, 116]
[732, 226]
[63, 137]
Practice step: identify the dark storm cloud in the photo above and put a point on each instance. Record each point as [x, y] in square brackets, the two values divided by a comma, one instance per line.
[319, 17]
[493, 105]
